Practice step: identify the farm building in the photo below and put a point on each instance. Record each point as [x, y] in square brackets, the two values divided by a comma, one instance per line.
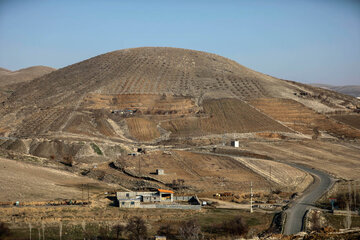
[235, 143]
[160, 172]
[133, 199]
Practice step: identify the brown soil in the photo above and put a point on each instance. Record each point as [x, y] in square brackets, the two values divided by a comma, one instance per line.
[224, 116]
[142, 129]
[351, 120]
[302, 119]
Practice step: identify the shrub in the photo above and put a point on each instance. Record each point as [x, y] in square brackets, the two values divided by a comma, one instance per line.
[136, 229]
[190, 230]
[234, 227]
[4, 230]
[96, 148]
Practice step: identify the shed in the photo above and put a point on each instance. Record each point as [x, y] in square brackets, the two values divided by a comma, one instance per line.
[160, 172]
[235, 143]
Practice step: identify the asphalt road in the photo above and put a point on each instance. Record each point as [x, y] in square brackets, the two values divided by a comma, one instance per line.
[295, 214]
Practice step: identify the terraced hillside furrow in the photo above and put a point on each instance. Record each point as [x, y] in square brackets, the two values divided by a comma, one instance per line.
[224, 116]
[302, 119]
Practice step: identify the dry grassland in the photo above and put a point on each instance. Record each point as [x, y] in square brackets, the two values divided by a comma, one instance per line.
[201, 172]
[25, 182]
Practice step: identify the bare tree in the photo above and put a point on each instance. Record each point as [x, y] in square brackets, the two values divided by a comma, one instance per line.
[315, 221]
[119, 229]
[190, 230]
[136, 229]
[348, 217]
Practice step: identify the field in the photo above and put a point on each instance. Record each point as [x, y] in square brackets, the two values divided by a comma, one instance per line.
[302, 119]
[351, 120]
[142, 129]
[209, 174]
[336, 158]
[25, 182]
[224, 116]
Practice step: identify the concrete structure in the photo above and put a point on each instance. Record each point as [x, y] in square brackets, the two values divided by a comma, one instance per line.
[133, 199]
[160, 172]
[235, 143]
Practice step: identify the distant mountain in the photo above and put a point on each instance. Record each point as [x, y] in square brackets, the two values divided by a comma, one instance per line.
[352, 90]
[8, 77]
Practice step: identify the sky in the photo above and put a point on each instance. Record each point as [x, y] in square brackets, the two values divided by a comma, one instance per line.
[309, 41]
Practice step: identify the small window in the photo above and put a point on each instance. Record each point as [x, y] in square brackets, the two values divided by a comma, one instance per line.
[123, 203]
[132, 203]
[127, 195]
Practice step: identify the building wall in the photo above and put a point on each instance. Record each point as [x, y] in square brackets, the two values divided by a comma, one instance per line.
[129, 203]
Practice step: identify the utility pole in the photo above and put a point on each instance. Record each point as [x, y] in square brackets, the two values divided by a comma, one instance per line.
[139, 166]
[251, 198]
[88, 193]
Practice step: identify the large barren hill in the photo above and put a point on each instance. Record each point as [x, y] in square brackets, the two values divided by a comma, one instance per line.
[172, 90]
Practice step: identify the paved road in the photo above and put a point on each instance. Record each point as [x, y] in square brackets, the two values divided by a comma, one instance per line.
[295, 214]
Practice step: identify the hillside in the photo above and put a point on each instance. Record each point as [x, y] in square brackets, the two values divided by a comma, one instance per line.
[160, 82]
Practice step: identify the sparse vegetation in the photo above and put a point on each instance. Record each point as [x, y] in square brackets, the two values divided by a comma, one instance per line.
[96, 148]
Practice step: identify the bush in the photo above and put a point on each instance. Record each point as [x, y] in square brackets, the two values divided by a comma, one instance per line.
[234, 227]
[136, 229]
[190, 230]
[4, 231]
[96, 148]
[167, 231]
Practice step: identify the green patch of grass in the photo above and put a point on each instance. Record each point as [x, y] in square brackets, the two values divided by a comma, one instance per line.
[96, 148]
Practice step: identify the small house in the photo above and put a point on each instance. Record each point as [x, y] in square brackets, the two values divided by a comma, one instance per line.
[235, 143]
[160, 172]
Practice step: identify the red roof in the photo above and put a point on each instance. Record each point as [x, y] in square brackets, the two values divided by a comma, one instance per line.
[165, 191]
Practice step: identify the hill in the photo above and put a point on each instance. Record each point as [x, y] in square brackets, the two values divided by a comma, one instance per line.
[161, 82]
[8, 77]
[352, 90]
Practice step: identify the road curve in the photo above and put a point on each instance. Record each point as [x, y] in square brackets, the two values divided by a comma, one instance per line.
[296, 213]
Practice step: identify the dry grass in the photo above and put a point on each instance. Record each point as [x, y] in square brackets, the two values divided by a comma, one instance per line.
[202, 172]
[25, 182]
[336, 158]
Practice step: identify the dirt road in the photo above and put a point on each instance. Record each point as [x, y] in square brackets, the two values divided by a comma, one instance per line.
[295, 214]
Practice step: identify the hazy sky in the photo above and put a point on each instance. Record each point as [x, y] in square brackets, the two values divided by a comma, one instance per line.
[303, 40]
